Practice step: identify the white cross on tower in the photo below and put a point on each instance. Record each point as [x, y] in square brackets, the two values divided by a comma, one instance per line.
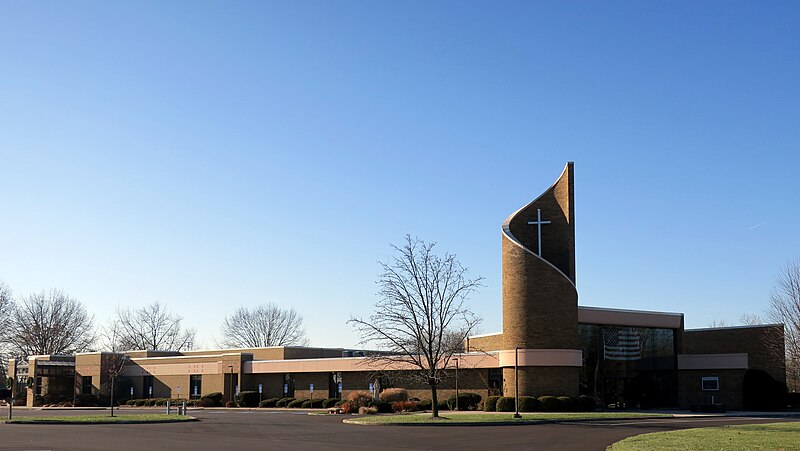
[539, 223]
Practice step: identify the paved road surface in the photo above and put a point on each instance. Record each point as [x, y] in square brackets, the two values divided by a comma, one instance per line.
[236, 429]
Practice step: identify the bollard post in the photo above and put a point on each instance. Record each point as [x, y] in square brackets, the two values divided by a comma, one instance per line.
[168, 407]
[184, 408]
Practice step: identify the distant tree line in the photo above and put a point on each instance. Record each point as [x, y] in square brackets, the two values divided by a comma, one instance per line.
[52, 322]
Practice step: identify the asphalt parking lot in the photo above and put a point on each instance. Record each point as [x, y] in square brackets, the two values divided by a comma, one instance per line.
[248, 429]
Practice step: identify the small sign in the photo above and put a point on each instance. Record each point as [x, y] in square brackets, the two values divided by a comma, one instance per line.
[131, 392]
[311, 387]
[285, 388]
[179, 391]
[260, 389]
[237, 390]
[195, 390]
[150, 390]
[371, 388]
[340, 388]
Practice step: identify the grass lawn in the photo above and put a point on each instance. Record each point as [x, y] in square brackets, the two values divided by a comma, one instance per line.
[472, 418]
[100, 419]
[772, 436]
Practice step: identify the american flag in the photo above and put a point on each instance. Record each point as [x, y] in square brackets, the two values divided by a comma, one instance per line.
[622, 344]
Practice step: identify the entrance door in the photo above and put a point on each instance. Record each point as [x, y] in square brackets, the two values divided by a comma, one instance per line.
[231, 380]
[333, 384]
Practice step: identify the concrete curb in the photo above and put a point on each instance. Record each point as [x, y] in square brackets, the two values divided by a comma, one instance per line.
[521, 422]
[55, 423]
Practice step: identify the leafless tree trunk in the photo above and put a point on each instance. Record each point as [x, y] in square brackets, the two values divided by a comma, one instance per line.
[6, 308]
[421, 319]
[50, 323]
[262, 326]
[113, 367]
[149, 328]
[785, 308]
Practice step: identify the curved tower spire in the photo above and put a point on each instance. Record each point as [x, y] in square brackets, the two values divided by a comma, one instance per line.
[540, 301]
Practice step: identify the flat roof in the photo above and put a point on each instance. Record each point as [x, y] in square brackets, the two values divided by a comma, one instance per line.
[746, 326]
[633, 318]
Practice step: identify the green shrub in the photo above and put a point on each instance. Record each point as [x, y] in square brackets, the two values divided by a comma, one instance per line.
[566, 404]
[528, 404]
[549, 404]
[490, 404]
[312, 404]
[340, 402]
[391, 395]
[585, 403]
[248, 399]
[424, 404]
[384, 407]
[466, 401]
[283, 402]
[505, 404]
[329, 402]
[297, 403]
[205, 401]
[86, 401]
[215, 397]
[269, 402]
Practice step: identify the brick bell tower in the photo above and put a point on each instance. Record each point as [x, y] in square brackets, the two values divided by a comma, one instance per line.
[540, 301]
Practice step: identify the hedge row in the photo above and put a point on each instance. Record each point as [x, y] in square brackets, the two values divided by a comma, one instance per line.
[541, 404]
[158, 402]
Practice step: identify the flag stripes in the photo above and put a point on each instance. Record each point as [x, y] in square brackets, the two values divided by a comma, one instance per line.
[622, 344]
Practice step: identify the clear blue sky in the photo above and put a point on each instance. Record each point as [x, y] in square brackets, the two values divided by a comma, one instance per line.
[213, 155]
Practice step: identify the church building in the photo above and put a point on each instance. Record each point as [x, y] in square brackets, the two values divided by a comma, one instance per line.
[549, 345]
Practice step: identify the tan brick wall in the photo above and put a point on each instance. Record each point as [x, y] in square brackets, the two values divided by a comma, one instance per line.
[542, 381]
[763, 345]
[486, 344]
[312, 353]
[272, 384]
[212, 383]
[730, 388]
[302, 383]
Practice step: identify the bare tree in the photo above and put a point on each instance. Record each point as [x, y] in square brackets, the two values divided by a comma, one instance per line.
[785, 308]
[749, 319]
[149, 328]
[50, 323]
[6, 307]
[262, 326]
[717, 323]
[113, 367]
[421, 318]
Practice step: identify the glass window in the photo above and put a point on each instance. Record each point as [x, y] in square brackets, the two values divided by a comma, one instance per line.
[632, 367]
[288, 385]
[709, 383]
[86, 385]
[147, 384]
[495, 381]
[195, 386]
